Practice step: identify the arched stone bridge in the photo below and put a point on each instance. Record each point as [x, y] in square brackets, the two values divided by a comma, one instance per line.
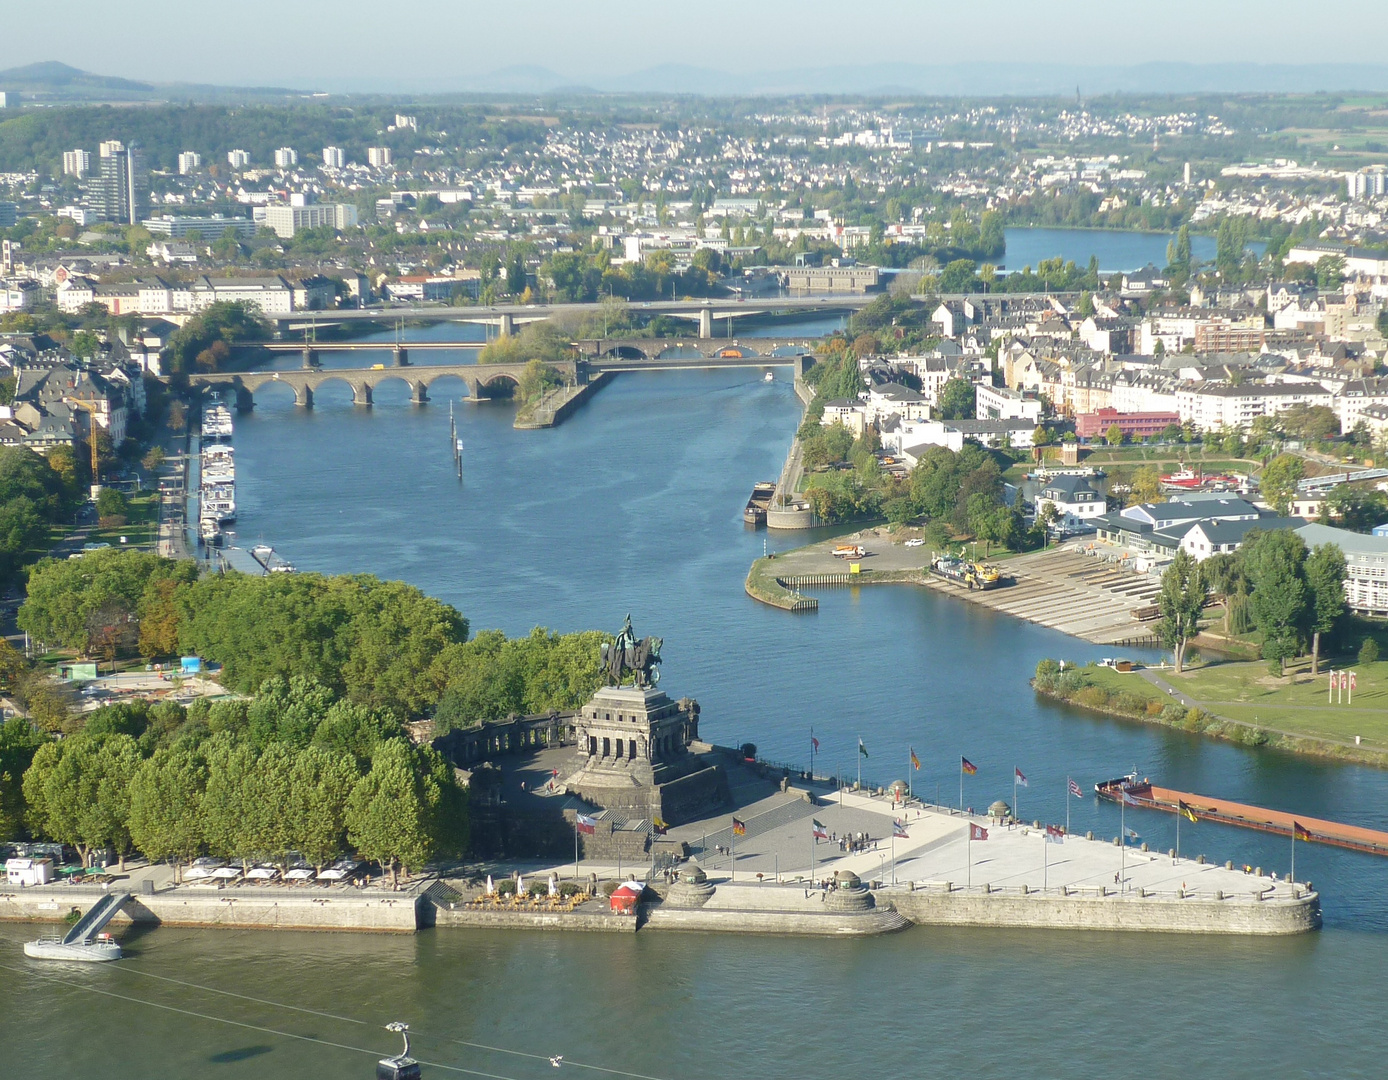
[783, 350]
[481, 380]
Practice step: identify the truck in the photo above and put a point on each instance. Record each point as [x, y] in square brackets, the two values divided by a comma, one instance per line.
[849, 551]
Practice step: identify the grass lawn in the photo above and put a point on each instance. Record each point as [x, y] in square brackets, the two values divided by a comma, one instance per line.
[141, 528]
[1245, 691]
[1116, 682]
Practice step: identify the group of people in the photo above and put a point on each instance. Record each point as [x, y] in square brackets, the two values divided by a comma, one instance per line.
[853, 843]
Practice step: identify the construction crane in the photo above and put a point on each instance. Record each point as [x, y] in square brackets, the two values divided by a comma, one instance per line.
[91, 409]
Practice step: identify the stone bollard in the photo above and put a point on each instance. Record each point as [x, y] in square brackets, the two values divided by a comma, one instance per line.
[1229, 864]
[1257, 871]
[1089, 835]
[1180, 894]
[1219, 894]
[1025, 890]
[1171, 854]
[1036, 824]
[1117, 842]
[1144, 846]
[1200, 859]
[910, 886]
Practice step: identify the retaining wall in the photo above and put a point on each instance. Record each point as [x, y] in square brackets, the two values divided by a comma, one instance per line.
[596, 922]
[1193, 915]
[813, 923]
[183, 907]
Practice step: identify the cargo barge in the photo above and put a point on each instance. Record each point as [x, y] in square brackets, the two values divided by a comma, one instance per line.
[962, 572]
[1145, 794]
[755, 511]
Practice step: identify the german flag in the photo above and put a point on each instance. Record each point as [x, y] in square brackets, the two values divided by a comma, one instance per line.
[915, 761]
[1299, 831]
[968, 766]
[1185, 811]
[739, 827]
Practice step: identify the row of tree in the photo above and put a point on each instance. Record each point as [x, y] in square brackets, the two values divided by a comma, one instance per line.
[1293, 596]
[34, 497]
[294, 773]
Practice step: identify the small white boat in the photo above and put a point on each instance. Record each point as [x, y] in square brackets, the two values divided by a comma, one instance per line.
[96, 951]
[768, 377]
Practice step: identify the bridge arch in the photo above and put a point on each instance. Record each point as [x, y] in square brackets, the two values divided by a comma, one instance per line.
[626, 352]
[498, 384]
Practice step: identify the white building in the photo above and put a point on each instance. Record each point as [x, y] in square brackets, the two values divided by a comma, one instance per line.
[379, 157]
[1211, 407]
[238, 159]
[849, 412]
[333, 157]
[287, 220]
[272, 295]
[1075, 499]
[1001, 403]
[77, 163]
[286, 157]
[1366, 565]
[190, 161]
[893, 399]
[1356, 396]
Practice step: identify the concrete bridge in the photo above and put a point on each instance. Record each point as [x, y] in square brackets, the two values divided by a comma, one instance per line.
[507, 317]
[482, 380]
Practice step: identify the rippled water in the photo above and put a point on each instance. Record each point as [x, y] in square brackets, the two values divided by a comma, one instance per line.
[634, 506]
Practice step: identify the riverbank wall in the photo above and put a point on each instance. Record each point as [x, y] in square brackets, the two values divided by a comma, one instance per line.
[190, 906]
[557, 406]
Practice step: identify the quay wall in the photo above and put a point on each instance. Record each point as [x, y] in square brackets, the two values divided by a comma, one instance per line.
[182, 907]
[573, 398]
[810, 923]
[593, 922]
[1192, 915]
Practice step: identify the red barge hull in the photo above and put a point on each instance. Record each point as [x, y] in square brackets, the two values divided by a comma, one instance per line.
[1142, 793]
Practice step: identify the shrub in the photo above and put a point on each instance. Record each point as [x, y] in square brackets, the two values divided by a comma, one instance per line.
[538, 888]
[1047, 668]
[1068, 683]
[1154, 709]
[609, 887]
[569, 888]
[1172, 713]
[1196, 720]
[1368, 652]
[1130, 703]
[1093, 697]
[506, 887]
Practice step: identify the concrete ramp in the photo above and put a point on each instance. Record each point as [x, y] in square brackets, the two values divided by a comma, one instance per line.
[96, 918]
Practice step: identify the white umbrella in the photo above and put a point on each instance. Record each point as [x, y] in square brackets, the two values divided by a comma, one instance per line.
[553, 886]
[490, 887]
[520, 885]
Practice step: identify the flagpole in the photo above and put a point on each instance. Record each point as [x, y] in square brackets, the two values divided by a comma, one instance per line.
[961, 783]
[1122, 837]
[1293, 851]
[814, 843]
[1045, 858]
[894, 853]
[811, 753]
[969, 849]
[860, 763]
[575, 845]
[1178, 832]
[1015, 815]
[1067, 806]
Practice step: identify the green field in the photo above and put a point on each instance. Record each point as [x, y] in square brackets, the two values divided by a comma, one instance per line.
[141, 528]
[1245, 692]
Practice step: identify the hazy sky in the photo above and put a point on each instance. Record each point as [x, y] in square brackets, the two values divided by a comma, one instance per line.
[443, 43]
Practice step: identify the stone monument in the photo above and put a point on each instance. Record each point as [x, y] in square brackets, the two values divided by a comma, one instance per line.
[634, 742]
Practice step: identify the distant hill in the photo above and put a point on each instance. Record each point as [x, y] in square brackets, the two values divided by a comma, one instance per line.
[53, 82]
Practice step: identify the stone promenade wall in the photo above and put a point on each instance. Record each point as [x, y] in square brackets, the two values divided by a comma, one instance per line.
[1164, 915]
[185, 907]
[599, 922]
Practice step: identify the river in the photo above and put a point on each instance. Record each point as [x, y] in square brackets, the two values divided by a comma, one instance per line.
[1118, 250]
[634, 505]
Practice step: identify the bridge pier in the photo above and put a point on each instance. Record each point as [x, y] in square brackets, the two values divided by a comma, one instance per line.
[310, 357]
[419, 393]
[245, 400]
[506, 324]
[303, 396]
[401, 356]
[361, 393]
[705, 324]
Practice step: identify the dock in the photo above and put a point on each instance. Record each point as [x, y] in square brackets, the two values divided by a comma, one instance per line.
[1062, 588]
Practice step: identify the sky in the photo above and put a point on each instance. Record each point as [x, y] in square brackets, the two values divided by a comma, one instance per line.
[449, 44]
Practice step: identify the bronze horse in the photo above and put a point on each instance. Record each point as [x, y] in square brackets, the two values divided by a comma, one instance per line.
[639, 659]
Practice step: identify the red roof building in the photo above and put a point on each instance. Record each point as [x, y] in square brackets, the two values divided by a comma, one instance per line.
[1133, 425]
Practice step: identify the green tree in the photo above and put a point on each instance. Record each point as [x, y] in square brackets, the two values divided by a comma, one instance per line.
[1368, 652]
[1146, 486]
[166, 806]
[1279, 480]
[77, 792]
[956, 400]
[321, 784]
[1325, 580]
[1274, 562]
[1114, 435]
[18, 744]
[391, 812]
[1181, 601]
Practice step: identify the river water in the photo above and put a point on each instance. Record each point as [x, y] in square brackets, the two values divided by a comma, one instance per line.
[634, 505]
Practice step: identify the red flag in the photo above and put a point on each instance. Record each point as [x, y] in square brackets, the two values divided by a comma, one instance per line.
[586, 824]
[977, 832]
[1075, 790]
[1352, 680]
[1055, 834]
[815, 743]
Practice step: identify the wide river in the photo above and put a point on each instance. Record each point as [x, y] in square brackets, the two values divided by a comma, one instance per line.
[634, 505]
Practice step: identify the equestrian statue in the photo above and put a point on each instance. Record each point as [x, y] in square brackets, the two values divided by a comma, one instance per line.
[629, 657]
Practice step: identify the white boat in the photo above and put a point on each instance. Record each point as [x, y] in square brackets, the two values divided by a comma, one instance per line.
[768, 377]
[89, 952]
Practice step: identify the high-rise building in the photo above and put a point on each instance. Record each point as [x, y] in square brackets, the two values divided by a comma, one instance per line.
[286, 157]
[333, 157]
[77, 163]
[378, 157]
[238, 159]
[287, 220]
[119, 190]
[9, 99]
[402, 121]
[9, 214]
[189, 161]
